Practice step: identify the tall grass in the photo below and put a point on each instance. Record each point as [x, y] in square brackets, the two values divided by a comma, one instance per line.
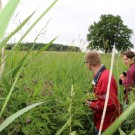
[49, 77]
[5, 17]
[44, 79]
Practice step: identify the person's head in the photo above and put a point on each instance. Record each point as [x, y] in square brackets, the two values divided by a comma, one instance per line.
[128, 57]
[92, 59]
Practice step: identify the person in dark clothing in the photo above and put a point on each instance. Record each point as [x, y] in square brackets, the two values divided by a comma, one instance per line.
[100, 83]
[128, 80]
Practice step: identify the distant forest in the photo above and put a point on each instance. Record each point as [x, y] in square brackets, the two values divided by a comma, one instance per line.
[38, 46]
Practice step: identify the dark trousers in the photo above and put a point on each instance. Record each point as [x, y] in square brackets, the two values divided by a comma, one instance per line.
[96, 132]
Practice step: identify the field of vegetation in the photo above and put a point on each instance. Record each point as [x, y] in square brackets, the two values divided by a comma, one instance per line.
[61, 81]
[44, 93]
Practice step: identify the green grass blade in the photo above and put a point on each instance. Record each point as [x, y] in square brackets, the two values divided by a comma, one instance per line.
[19, 65]
[133, 132]
[2, 98]
[16, 30]
[38, 19]
[73, 133]
[6, 14]
[11, 118]
[121, 118]
[6, 84]
[15, 71]
[8, 96]
[67, 124]
[121, 132]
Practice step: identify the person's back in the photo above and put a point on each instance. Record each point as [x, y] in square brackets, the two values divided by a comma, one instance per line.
[113, 107]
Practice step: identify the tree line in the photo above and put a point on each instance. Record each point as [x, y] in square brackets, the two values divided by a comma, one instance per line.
[38, 46]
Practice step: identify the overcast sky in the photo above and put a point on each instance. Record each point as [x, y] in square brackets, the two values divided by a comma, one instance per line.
[70, 19]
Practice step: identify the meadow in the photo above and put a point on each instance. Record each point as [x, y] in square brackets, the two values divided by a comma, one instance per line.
[60, 80]
[44, 93]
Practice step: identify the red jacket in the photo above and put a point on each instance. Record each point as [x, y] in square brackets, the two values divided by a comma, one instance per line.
[113, 107]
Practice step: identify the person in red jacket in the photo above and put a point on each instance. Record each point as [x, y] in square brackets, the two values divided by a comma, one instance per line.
[100, 82]
[128, 79]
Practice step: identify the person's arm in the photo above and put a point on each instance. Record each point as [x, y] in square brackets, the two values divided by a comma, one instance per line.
[99, 104]
[129, 81]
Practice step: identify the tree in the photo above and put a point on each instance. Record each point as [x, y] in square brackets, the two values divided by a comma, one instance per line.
[108, 31]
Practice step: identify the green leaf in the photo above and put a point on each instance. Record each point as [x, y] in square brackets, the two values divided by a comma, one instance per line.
[9, 94]
[121, 132]
[16, 30]
[78, 123]
[67, 124]
[2, 98]
[6, 14]
[73, 133]
[11, 118]
[120, 119]
[133, 132]
[19, 65]
[36, 21]
[6, 84]
[44, 116]
[31, 27]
